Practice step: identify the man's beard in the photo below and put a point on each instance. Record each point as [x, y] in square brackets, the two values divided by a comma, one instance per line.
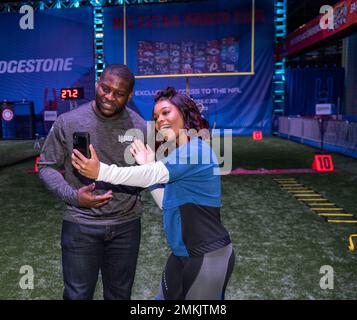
[115, 109]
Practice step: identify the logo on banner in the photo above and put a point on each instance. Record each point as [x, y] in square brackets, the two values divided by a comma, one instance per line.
[340, 15]
[353, 7]
[7, 115]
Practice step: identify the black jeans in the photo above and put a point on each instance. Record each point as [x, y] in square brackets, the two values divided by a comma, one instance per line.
[86, 249]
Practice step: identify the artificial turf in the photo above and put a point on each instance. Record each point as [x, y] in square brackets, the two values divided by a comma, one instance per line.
[280, 244]
[15, 151]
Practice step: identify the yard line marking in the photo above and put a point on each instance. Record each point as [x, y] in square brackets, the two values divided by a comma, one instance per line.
[313, 199]
[336, 214]
[328, 209]
[318, 204]
[342, 221]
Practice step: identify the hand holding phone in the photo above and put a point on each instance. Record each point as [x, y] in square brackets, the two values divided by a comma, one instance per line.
[81, 142]
[87, 167]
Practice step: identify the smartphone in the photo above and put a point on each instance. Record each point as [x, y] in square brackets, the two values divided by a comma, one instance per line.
[81, 142]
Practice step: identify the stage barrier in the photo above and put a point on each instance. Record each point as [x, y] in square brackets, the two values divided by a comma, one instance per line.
[339, 136]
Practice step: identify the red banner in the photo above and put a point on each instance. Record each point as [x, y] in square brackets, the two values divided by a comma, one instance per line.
[345, 16]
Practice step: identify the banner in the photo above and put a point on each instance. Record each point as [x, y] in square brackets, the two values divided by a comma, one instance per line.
[306, 87]
[219, 52]
[36, 63]
[344, 16]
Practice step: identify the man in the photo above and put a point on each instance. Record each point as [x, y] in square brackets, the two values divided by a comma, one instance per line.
[101, 223]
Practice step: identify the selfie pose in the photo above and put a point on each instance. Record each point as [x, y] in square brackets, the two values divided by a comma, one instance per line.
[186, 184]
[101, 222]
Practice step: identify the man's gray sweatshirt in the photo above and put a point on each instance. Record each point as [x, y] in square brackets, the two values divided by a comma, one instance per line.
[111, 141]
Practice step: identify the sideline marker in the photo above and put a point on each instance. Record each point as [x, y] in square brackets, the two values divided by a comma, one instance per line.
[257, 135]
[351, 245]
[323, 163]
[36, 164]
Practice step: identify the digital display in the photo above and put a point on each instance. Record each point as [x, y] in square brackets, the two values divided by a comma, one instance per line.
[72, 93]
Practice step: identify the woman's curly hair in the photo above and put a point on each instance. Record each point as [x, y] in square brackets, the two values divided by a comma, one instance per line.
[191, 114]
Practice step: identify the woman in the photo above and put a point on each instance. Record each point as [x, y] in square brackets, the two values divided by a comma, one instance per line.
[202, 256]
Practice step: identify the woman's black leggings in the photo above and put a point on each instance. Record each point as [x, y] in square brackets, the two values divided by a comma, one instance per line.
[197, 277]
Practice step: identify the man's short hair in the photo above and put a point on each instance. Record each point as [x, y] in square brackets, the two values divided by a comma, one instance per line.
[121, 71]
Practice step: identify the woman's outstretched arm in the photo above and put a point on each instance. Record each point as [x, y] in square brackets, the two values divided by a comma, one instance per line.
[143, 176]
[137, 176]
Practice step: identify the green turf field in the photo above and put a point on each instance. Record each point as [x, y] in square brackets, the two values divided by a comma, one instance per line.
[280, 244]
[14, 151]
